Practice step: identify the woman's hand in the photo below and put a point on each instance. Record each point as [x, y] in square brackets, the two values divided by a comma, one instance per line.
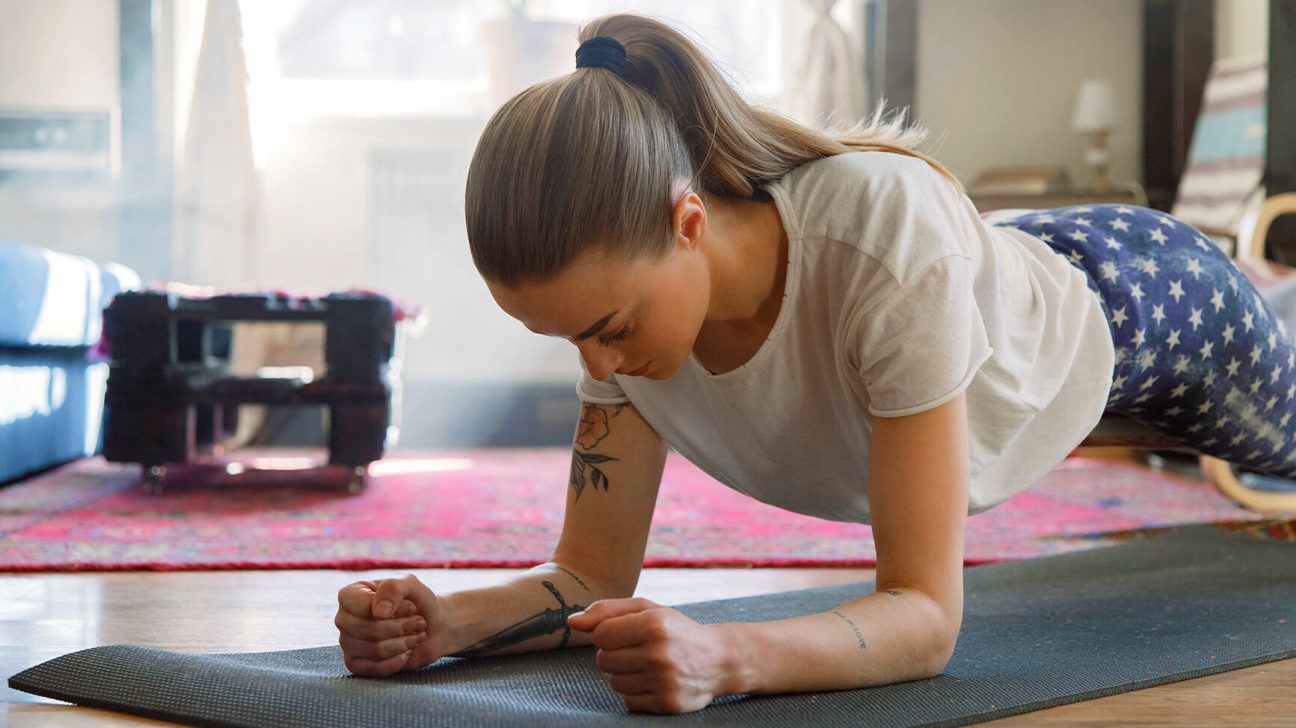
[659, 660]
[389, 625]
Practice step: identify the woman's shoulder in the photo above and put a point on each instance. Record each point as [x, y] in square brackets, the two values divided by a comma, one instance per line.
[865, 170]
[859, 187]
[893, 208]
[844, 188]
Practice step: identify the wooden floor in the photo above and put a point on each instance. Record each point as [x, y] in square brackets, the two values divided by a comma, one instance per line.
[46, 615]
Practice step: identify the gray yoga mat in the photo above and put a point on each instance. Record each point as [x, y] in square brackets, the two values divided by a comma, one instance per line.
[1036, 634]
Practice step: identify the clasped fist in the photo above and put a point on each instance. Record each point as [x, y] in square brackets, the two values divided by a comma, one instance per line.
[389, 625]
[659, 660]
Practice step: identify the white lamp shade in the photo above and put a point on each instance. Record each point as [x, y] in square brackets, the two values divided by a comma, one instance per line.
[1095, 106]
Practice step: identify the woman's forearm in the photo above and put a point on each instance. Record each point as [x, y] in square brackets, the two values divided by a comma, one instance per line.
[525, 613]
[883, 638]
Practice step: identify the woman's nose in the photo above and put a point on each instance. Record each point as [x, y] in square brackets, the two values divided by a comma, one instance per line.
[601, 362]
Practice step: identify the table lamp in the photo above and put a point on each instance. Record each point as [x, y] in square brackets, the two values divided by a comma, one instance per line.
[1095, 112]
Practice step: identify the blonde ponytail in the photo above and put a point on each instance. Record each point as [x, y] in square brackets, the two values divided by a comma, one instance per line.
[587, 161]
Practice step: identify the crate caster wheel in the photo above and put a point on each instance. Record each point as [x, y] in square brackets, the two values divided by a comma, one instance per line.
[154, 479]
[356, 479]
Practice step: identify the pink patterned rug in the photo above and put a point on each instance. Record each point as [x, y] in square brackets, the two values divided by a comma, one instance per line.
[503, 508]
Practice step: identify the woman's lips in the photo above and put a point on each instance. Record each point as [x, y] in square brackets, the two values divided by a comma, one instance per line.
[640, 371]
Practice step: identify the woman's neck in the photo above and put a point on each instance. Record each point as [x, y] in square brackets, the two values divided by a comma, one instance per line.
[747, 252]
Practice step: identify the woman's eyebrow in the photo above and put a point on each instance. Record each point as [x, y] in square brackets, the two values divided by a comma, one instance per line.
[596, 327]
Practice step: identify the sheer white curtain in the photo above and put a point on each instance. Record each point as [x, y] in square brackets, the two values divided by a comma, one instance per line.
[218, 205]
[833, 89]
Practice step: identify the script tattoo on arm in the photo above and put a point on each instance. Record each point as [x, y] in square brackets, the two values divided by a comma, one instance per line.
[893, 592]
[537, 625]
[858, 636]
[594, 426]
[572, 574]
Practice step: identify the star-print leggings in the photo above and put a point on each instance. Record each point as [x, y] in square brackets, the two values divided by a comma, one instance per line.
[1199, 354]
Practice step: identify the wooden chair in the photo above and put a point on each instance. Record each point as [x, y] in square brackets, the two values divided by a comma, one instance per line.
[1120, 431]
[1254, 226]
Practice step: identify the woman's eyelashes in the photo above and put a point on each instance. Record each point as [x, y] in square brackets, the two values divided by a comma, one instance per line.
[618, 336]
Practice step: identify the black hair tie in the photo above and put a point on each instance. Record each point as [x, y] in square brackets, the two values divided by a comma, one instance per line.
[601, 52]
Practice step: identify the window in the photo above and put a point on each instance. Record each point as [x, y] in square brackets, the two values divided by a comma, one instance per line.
[310, 58]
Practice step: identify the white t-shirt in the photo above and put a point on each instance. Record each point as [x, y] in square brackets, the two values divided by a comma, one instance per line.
[897, 298]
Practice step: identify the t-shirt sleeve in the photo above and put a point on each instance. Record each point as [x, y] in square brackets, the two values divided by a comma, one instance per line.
[923, 341]
[593, 391]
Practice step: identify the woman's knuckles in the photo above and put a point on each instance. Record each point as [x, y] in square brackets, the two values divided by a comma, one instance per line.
[371, 668]
[361, 666]
[399, 646]
[655, 628]
[661, 663]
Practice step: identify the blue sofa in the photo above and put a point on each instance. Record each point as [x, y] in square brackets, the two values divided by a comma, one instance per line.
[52, 380]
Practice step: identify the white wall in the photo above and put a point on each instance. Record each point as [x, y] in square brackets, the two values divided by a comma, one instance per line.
[59, 55]
[1001, 76]
[1241, 28]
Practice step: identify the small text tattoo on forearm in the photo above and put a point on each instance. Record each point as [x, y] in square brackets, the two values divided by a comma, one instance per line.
[572, 574]
[858, 636]
[893, 592]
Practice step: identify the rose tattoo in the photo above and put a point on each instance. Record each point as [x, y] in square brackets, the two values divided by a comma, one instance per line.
[593, 428]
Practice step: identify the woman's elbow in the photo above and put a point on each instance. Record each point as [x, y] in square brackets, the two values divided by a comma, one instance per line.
[945, 639]
[941, 659]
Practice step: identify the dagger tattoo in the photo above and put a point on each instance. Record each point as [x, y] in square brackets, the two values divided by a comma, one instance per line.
[546, 622]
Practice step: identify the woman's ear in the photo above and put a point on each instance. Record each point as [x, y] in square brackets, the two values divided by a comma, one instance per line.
[689, 220]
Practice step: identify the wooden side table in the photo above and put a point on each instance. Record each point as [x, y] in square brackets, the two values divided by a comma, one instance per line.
[1129, 196]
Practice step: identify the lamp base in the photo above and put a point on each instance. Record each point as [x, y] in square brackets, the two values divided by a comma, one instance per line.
[1099, 159]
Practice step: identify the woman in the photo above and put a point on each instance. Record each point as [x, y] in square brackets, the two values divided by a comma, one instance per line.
[825, 324]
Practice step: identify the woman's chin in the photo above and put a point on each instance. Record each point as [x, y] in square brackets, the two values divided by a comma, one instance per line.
[662, 371]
